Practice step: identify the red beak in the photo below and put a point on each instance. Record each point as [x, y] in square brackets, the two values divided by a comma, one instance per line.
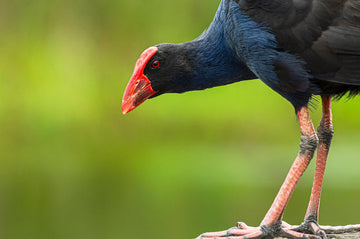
[139, 87]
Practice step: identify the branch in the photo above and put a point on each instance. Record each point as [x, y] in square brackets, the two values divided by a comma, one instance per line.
[349, 235]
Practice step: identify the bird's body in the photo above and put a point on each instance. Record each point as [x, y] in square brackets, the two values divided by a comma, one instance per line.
[324, 34]
[299, 48]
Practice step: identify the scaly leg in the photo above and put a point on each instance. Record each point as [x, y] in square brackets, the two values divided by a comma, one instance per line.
[325, 133]
[271, 226]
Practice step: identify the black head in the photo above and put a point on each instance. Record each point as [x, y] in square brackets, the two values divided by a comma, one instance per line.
[161, 69]
[177, 68]
[169, 69]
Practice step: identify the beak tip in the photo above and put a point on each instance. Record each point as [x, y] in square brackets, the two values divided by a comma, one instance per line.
[126, 108]
[125, 112]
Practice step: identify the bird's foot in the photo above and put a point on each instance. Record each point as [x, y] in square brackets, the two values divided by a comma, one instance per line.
[243, 231]
[312, 227]
[308, 227]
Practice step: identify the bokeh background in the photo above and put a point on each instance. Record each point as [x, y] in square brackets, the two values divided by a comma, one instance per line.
[72, 166]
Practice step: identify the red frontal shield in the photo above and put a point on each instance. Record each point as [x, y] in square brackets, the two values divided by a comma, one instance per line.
[139, 87]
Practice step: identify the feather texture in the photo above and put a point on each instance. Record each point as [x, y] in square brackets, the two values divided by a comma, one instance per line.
[299, 48]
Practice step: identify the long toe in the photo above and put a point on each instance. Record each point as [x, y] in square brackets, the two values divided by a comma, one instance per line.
[243, 231]
[288, 233]
[311, 227]
[233, 233]
[340, 229]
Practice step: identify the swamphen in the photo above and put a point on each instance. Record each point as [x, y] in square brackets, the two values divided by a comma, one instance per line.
[299, 48]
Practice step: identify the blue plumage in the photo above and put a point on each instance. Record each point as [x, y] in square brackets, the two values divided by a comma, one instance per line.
[257, 47]
[235, 48]
[279, 42]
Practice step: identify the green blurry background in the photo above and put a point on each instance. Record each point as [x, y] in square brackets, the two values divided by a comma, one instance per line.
[72, 166]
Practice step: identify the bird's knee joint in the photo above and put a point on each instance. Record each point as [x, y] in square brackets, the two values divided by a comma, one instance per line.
[325, 134]
[309, 143]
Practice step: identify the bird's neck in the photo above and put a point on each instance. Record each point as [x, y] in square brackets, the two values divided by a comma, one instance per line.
[213, 61]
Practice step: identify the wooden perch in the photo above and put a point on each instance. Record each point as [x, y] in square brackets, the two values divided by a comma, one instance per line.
[350, 235]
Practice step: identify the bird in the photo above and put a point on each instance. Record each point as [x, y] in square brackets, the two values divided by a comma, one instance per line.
[300, 49]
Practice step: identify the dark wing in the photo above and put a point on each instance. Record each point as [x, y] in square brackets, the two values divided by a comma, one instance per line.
[295, 23]
[325, 33]
[342, 40]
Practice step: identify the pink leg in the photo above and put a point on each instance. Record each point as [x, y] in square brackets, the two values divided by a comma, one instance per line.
[308, 145]
[325, 133]
[271, 225]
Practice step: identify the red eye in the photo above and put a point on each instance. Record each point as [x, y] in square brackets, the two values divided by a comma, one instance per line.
[155, 64]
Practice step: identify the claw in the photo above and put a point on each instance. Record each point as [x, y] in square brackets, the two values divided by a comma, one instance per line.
[242, 225]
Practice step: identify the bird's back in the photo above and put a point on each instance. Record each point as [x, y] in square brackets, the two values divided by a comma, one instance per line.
[324, 33]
